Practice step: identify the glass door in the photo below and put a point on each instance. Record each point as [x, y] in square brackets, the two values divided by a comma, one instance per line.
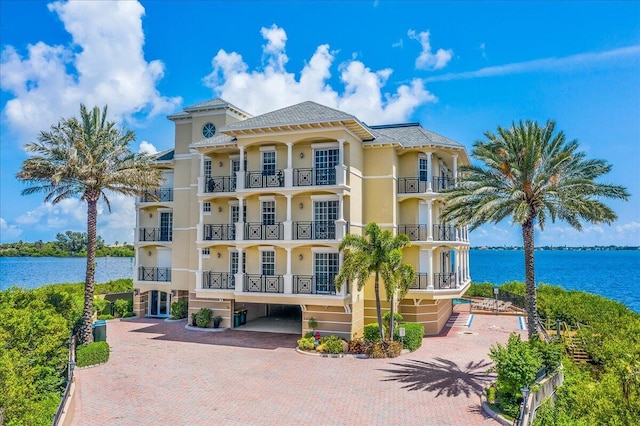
[159, 302]
[326, 267]
[166, 226]
[325, 214]
[325, 163]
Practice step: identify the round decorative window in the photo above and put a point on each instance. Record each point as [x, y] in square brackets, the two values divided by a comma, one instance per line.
[208, 130]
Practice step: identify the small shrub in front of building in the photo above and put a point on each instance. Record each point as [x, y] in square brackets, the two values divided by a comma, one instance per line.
[385, 349]
[359, 346]
[307, 343]
[331, 345]
[414, 333]
[203, 317]
[105, 317]
[372, 332]
[92, 354]
[129, 315]
[179, 309]
[122, 306]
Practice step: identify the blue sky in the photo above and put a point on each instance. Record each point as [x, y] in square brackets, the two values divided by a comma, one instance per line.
[459, 68]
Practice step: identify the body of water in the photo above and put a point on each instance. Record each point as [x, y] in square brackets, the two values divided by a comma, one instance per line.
[31, 272]
[613, 274]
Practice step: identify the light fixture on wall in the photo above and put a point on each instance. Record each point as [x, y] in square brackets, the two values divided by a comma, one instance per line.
[301, 257]
[150, 215]
[302, 155]
[301, 205]
[221, 163]
[149, 253]
[218, 255]
[136, 291]
[219, 209]
[174, 293]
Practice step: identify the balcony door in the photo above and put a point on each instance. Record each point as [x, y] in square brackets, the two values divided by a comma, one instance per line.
[325, 213]
[326, 267]
[159, 303]
[325, 162]
[166, 226]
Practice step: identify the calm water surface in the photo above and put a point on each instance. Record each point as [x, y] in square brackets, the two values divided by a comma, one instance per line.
[613, 274]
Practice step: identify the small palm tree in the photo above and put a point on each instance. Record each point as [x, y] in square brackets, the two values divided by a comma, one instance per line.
[88, 158]
[397, 278]
[532, 175]
[366, 255]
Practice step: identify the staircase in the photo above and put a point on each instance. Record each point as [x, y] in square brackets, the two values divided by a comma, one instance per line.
[575, 348]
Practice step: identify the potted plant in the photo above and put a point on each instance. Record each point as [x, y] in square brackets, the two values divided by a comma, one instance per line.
[313, 324]
[216, 321]
[193, 320]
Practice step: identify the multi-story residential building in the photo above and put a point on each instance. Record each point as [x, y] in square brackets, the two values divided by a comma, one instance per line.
[253, 210]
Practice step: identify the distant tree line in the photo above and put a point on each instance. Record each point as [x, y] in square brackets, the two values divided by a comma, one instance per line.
[68, 244]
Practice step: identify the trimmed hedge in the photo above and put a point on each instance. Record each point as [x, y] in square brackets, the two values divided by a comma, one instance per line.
[179, 309]
[92, 354]
[203, 317]
[372, 332]
[414, 333]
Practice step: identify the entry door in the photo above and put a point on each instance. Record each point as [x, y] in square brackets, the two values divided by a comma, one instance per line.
[325, 214]
[235, 214]
[326, 267]
[166, 226]
[159, 303]
[233, 266]
[325, 163]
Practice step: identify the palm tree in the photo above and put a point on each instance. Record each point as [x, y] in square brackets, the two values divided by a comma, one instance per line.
[397, 277]
[532, 175]
[88, 158]
[366, 255]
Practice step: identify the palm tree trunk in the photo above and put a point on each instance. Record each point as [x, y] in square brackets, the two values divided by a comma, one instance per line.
[392, 319]
[530, 294]
[378, 308]
[89, 286]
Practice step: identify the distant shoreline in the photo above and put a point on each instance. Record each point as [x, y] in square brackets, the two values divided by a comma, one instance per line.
[562, 248]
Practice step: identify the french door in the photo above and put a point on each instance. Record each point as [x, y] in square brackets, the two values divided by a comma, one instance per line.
[159, 302]
[325, 214]
[325, 163]
[326, 267]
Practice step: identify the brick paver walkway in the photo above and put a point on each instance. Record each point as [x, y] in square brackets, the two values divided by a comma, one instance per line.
[160, 373]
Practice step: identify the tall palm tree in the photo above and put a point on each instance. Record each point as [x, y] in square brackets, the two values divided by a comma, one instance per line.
[397, 278]
[87, 157]
[366, 255]
[531, 174]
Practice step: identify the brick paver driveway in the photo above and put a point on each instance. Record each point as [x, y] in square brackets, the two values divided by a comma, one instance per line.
[161, 374]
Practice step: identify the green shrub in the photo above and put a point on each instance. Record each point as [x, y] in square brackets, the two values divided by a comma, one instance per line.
[309, 334]
[332, 344]
[129, 315]
[179, 309]
[92, 354]
[480, 290]
[122, 306]
[105, 317]
[372, 332]
[203, 317]
[385, 350]
[413, 335]
[306, 343]
[100, 305]
[516, 364]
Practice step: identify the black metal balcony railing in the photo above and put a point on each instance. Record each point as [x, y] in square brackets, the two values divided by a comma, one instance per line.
[444, 281]
[259, 231]
[263, 283]
[154, 274]
[222, 232]
[317, 230]
[414, 232]
[156, 234]
[220, 184]
[315, 176]
[260, 179]
[314, 284]
[442, 183]
[440, 281]
[157, 195]
[218, 280]
[419, 185]
[444, 232]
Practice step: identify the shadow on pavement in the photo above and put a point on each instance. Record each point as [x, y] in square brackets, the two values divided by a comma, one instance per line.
[442, 376]
[175, 331]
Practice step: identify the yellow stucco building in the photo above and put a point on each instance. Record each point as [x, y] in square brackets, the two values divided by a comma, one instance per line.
[253, 210]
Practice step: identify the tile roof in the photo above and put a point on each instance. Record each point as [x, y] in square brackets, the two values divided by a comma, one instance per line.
[165, 155]
[216, 103]
[409, 135]
[219, 139]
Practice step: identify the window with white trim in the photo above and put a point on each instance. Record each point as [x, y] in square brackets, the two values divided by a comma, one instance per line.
[206, 252]
[423, 169]
[268, 163]
[207, 168]
[268, 212]
[268, 262]
[206, 207]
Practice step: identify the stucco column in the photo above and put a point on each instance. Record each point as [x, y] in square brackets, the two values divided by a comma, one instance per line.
[288, 172]
[288, 277]
[429, 220]
[240, 173]
[200, 229]
[199, 271]
[343, 289]
[240, 223]
[341, 224]
[341, 169]
[287, 225]
[429, 172]
[430, 272]
[201, 180]
[455, 168]
[239, 276]
[456, 266]
[136, 232]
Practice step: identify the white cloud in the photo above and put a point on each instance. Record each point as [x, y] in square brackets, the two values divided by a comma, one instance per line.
[545, 64]
[428, 60]
[483, 50]
[272, 86]
[399, 43]
[104, 64]
[8, 232]
[147, 147]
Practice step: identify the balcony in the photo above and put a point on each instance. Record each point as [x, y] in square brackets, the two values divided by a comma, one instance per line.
[440, 232]
[218, 280]
[263, 283]
[440, 281]
[154, 274]
[221, 232]
[418, 185]
[220, 184]
[314, 284]
[259, 231]
[260, 179]
[157, 195]
[314, 177]
[155, 234]
[444, 232]
[317, 230]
